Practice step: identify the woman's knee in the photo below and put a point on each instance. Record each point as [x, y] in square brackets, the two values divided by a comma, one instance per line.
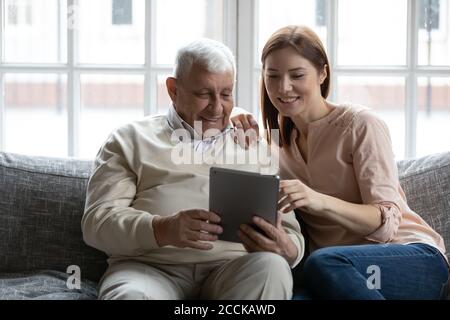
[323, 261]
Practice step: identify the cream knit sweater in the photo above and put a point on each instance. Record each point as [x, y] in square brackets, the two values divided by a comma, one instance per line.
[139, 173]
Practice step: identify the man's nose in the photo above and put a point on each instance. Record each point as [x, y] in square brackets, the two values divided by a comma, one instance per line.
[216, 102]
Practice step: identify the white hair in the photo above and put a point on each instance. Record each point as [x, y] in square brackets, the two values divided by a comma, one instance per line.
[210, 54]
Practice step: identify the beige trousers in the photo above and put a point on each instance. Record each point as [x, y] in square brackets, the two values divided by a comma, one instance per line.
[254, 276]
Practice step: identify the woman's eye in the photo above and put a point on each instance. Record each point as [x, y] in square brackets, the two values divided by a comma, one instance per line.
[297, 76]
[272, 76]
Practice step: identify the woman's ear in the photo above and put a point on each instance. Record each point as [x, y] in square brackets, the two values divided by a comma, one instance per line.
[171, 84]
[323, 74]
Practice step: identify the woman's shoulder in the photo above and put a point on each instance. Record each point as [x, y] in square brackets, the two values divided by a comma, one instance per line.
[354, 116]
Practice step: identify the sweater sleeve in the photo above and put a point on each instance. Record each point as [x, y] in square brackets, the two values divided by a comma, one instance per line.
[110, 223]
[376, 173]
[292, 228]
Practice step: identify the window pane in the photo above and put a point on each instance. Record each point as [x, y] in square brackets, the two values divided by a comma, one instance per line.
[122, 12]
[36, 114]
[274, 15]
[107, 102]
[372, 32]
[386, 96]
[34, 31]
[434, 39]
[181, 21]
[433, 118]
[104, 34]
[163, 98]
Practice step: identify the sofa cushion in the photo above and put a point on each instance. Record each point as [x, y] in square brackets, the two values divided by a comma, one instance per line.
[42, 202]
[43, 285]
[426, 182]
[41, 205]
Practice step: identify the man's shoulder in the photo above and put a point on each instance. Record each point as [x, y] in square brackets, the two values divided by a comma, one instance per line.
[150, 128]
[147, 124]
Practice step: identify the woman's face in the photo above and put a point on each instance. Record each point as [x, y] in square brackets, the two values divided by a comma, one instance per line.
[292, 82]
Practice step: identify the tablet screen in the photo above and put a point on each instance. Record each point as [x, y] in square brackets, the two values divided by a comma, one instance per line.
[236, 196]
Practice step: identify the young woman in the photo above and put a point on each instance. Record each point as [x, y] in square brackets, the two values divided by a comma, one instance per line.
[341, 178]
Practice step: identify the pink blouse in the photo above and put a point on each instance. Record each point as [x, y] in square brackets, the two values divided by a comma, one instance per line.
[350, 157]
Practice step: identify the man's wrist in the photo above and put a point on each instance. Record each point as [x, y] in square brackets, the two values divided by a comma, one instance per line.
[291, 252]
[158, 230]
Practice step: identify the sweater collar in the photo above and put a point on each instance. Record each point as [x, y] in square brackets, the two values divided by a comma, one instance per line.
[176, 122]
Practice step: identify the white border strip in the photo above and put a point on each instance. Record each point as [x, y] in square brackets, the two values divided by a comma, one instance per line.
[2, 89]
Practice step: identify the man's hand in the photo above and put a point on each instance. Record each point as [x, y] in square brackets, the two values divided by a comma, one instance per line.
[187, 228]
[246, 130]
[276, 239]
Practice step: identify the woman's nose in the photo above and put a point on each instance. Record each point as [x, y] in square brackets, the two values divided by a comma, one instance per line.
[285, 85]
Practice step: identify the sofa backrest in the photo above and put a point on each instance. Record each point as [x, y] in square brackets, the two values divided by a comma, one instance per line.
[42, 202]
[426, 182]
[41, 205]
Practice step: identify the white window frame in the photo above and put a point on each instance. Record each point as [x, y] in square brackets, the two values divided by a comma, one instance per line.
[150, 69]
[240, 34]
[247, 31]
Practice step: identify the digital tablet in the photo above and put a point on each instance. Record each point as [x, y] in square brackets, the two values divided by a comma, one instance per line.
[236, 196]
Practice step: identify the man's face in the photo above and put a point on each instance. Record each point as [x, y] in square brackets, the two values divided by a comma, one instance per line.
[203, 96]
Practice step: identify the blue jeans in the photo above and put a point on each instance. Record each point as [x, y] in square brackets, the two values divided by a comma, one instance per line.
[375, 272]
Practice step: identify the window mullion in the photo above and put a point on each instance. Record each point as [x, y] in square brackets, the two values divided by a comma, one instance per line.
[230, 24]
[73, 81]
[2, 24]
[229, 28]
[411, 81]
[365, 71]
[246, 47]
[2, 90]
[149, 84]
[332, 43]
[2, 114]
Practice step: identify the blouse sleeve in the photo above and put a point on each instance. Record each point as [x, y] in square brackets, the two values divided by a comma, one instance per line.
[376, 173]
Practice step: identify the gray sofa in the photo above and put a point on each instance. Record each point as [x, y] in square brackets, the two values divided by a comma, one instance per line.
[42, 200]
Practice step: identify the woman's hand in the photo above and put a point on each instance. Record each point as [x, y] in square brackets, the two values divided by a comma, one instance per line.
[275, 240]
[187, 228]
[246, 130]
[294, 194]
[362, 219]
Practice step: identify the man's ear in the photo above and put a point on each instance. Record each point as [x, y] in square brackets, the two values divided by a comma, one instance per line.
[171, 84]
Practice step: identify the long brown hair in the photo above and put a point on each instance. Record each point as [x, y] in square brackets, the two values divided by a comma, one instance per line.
[308, 45]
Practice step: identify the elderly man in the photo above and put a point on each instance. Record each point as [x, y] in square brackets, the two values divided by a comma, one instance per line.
[149, 214]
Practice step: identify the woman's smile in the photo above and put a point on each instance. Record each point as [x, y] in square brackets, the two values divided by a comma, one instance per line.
[288, 100]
